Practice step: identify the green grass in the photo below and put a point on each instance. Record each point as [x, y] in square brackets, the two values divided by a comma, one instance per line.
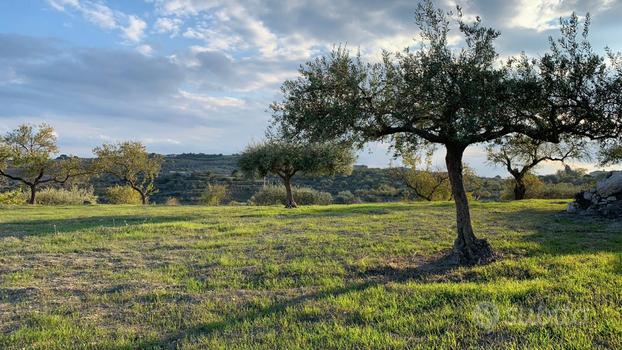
[360, 276]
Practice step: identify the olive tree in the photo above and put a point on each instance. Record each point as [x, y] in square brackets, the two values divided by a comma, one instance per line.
[286, 159]
[455, 97]
[130, 163]
[520, 154]
[27, 156]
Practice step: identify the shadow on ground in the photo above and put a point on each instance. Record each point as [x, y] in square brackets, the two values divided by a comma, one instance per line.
[44, 227]
[434, 267]
[560, 233]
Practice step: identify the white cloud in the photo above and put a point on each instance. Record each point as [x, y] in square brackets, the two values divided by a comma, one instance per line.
[145, 49]
[540, 15]
[59, 5]
[104, 17]
[94, 12]
[184, 7]
[191, 100]
[165, 25]
[135, 29]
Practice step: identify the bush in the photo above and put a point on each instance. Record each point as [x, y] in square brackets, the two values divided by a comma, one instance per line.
[66, 196]
[122, 195]
[215, 194]
[14, 197]
[274, 195]
[562, 190]
[347, 197]
[172, 201]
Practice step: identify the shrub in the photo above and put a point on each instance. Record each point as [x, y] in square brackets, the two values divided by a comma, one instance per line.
[275, 194]
[215, 194]
[122, 195]
[66, 196]
[347, 197]
[562, 190]
[14, 197]
[172, 201]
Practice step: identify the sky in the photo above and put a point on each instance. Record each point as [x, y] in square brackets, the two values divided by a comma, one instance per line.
[199, 75]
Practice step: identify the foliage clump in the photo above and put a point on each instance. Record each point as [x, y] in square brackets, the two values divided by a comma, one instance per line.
[215, 194]
[73, 195]
[118, 194]
[275, 194]
[13, 197]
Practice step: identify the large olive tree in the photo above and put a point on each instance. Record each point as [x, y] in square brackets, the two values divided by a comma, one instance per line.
[520, 154]
[130, 163]
[286, 159]
[27, 156]
[455, 97]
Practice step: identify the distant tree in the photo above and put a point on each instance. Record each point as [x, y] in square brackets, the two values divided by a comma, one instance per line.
[131, 164]
[26, 155]
[520, 154]
[455, 97]
[286, 159]
[534, 187]
[215, 194]
[426, 183]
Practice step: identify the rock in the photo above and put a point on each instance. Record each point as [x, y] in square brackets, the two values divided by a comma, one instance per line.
[612, 199]
[572, 208]
[610, 185]
[587, 195]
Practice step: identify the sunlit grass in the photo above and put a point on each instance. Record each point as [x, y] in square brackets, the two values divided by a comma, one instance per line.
[361, 276]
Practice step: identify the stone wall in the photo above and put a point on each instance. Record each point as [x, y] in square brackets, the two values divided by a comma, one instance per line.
[604, 200]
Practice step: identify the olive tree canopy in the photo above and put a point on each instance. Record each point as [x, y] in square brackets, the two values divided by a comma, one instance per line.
[455, 97]
[27, 155]
[286, 159]
[131, 164]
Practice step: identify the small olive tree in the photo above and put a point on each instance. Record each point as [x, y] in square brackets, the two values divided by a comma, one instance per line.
[27, 155]
[131, 164]
[520, 154]
[286, 159]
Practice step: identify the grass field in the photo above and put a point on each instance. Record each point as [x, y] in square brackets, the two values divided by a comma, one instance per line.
[360, 276]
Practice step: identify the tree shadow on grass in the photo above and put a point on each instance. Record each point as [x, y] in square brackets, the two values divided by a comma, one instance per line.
[359, 209]
[371, 278]
[26, 228]
[560, 233]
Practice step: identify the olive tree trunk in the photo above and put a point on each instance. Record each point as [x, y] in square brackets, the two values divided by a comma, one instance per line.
[33, 194]
[468, 248]
[143, 198]
[289, 196]
[520, 189]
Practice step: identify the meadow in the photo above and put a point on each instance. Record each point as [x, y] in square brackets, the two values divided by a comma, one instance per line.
[334, 277]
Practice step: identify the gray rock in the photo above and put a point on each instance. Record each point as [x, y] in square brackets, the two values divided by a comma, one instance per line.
[572, 208]
[610, 185]
[611, 199]
[587, 195]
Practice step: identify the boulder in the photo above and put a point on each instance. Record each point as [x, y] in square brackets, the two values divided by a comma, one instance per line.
[610, 185]
[572, 208]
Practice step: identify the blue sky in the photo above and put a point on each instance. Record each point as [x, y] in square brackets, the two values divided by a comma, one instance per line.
[199, 75]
